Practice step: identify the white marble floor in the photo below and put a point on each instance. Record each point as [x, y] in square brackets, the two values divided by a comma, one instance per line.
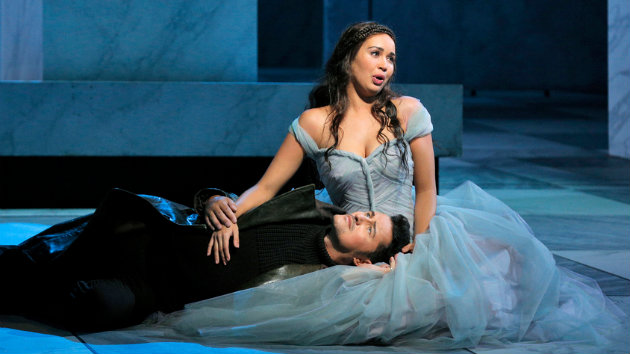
[543, 156]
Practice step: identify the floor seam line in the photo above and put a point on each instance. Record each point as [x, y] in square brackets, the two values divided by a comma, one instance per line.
[87, 345]
[586, 265]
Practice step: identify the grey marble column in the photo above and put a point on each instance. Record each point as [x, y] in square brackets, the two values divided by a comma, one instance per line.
[21, 54]
[619, 78]
[339, 14]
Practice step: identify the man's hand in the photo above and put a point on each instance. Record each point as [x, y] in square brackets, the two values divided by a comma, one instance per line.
[219, 212]
[220, 243]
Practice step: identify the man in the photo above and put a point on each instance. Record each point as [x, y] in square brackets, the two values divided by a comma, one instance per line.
[140, 254]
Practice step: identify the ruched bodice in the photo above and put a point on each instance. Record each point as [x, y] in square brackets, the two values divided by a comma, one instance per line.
[378, 182]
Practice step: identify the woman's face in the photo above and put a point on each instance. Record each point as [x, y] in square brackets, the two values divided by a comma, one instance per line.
[373, 65]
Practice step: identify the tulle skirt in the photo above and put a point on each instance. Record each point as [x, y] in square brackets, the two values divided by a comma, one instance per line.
[477, 276]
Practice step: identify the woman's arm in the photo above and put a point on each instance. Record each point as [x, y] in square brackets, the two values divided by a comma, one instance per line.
[424, 181]
[221, 211]
[423, 160]
[283, 166]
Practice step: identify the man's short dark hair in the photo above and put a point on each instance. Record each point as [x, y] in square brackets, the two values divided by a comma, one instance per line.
[401, 236]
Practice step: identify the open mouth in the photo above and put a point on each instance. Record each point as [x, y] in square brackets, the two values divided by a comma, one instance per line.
[378, 79]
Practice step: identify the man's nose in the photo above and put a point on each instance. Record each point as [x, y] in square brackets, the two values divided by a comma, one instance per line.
[362, 218]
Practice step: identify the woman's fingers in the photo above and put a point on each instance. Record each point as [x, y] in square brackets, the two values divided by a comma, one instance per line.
[223, 210]
[392, 263]
[213, 221]
[206, 220]
[229, 208]
[382, 267]
[220, 213]
[408, 248]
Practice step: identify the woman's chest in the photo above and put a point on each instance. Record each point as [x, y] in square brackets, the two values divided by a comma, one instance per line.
[362, 139]
[389, 161]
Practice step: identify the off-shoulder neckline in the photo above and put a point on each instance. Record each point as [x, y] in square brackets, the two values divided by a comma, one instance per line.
[345, 152]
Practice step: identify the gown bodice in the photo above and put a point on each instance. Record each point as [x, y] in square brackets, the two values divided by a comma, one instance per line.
[378, 182]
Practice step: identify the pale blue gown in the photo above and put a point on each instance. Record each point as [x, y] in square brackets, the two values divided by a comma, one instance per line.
[378, 182]
[478, 275]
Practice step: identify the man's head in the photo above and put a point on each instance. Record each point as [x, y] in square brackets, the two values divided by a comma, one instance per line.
[367, 237]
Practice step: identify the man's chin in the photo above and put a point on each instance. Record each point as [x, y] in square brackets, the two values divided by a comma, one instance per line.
[334, 240]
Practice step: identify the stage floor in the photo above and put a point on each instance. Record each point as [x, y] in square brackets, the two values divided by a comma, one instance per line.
[546, 157]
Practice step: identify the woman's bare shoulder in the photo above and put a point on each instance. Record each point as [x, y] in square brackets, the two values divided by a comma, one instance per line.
[406, 106]
[313, 121]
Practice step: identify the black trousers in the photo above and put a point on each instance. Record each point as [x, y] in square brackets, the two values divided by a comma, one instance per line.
[99, 285]
[117, 273]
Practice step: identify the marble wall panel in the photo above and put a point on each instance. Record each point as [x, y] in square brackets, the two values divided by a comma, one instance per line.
[147, 40]
[619, 78]
[445, 104]
[21, 54]
[175, 118]
[339, 14]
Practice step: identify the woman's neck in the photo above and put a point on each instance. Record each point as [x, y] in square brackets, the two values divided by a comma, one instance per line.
[357, 102]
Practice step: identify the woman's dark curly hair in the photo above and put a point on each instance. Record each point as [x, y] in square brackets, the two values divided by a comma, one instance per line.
[331, 89]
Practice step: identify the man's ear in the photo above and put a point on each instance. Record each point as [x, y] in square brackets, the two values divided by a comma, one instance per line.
[356, 261]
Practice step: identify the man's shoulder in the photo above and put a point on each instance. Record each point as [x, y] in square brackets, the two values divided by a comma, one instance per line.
[297, 204]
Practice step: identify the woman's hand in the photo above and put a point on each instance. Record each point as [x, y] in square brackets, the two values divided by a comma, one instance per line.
[408, 248]
[384, 267]
[220, 243]
[219, 211]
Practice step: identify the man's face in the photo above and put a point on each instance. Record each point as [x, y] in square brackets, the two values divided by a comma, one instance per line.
[363, 232]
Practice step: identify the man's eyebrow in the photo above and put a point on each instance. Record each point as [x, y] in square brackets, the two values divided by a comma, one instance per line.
[372, 214]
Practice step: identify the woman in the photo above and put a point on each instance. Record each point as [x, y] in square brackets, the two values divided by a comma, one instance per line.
[370, 146]
[477, 274]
